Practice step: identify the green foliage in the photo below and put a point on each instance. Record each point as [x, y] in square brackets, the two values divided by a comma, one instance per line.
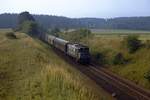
[118, 32]
[136, 64]
[84, 32]
[11, 35]
[133, 23]
[27, 24]
[25, 16]
[133, 43]
[106, 48]
[30, 70]
[119, 59]
[77, 35]
[30, 28]
[147, 75]
[147, 44]
[100, 57]
[55, 32]
[5, 30]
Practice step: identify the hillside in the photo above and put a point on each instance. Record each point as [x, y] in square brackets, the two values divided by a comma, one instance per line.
[48, 21]
[30, 70]
[106, 47]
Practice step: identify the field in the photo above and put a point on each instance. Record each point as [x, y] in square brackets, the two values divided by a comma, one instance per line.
[105, 45]
[108, 45]
[30, 70]
[118, 32]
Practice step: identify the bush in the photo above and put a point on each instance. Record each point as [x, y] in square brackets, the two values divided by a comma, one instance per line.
[30, 28]
[118, 59]
[84, 32]
[77, 35]
[147, 75]
[100, 57]
[147, 44]
[55, 32]
[11, 35]
[133, 43]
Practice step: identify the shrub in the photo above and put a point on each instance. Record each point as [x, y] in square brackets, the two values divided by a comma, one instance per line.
[147, 44]
[55, 32]
[11, 35]
[133, 43]
[84, 32]
[100, 57]
[147, 75]
[119, 59]
[30, 28]
[77, 35]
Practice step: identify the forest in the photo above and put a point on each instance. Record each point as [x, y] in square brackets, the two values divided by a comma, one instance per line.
[8, 20]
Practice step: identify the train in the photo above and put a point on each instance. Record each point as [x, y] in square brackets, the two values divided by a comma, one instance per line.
[80, 53]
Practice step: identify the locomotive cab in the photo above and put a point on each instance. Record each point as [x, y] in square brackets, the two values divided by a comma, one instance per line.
[79, 52]
[83, 55]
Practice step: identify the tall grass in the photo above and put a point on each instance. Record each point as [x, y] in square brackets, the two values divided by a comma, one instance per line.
[118, 31]
[138, 63]
[29, 70]
[105, 46]
[4, 30]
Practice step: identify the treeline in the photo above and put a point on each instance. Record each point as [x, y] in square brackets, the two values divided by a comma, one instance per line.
[47, 21]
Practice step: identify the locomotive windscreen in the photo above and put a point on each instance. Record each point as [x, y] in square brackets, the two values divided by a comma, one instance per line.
[86, 50]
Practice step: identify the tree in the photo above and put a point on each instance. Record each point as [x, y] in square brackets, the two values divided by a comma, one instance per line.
[79, 34]
[118, 59]
[133, 23]
[25, 16]
[30, 28]
[55, 32]
[100, 57]
[84, 32]
[27, 24]
[133, 43]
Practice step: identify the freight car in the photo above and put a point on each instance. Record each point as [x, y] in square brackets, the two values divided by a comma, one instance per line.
[60, 44]
[77, 51]
[50, 39]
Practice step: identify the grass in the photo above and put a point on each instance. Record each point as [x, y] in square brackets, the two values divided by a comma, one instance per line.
[4, 30]
[106, 44]
[138, 64]
[118, 31]
[29, 70]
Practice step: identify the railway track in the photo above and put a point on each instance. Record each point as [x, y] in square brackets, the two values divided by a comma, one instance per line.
[120, 88]
[123, 85]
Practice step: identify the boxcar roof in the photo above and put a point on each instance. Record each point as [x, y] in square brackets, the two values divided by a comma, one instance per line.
[62, 40]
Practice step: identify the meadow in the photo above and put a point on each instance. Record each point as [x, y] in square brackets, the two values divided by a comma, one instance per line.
[106, 46]
[30, 70]
[118, 31]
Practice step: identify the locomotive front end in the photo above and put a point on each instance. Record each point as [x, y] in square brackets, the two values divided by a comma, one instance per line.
[83, 55]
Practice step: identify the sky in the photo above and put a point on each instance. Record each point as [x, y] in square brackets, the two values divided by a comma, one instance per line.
[79, 8]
